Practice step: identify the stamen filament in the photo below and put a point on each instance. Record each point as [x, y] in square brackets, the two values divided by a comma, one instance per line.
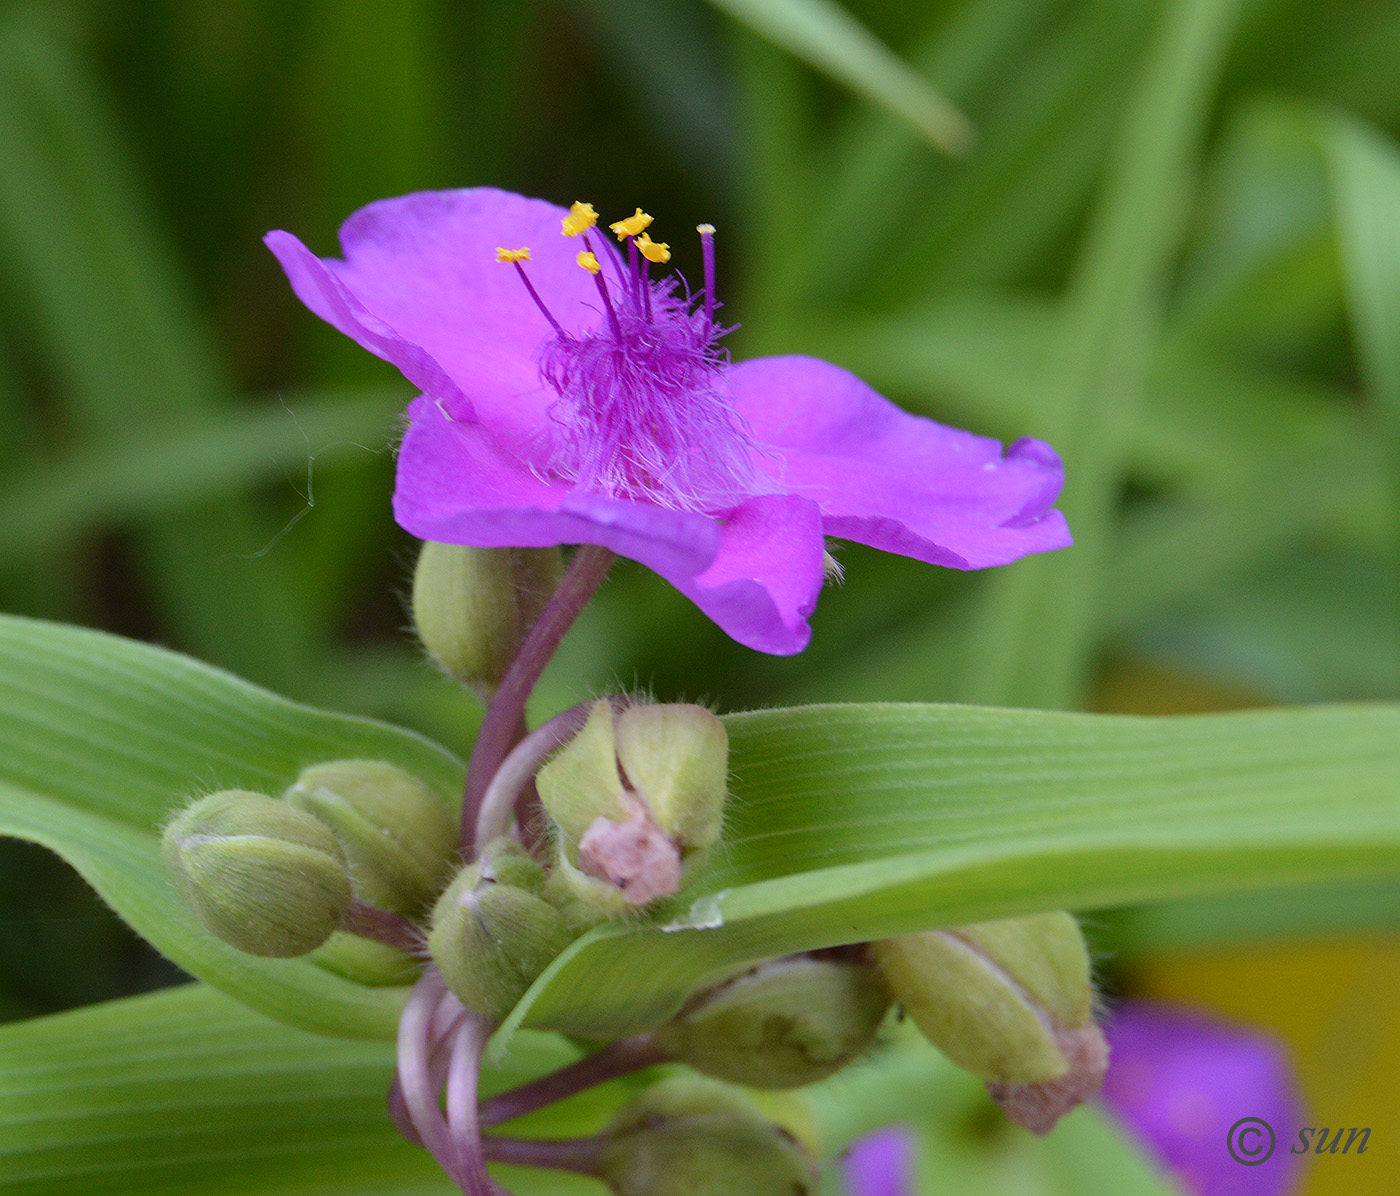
[609, 258]
[634, 270]
[707, 255]
[602, 286]
[536, 297]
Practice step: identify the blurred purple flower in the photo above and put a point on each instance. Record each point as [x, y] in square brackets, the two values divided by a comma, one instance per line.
[881, 1164]
[577, 401]
[1180, 1080]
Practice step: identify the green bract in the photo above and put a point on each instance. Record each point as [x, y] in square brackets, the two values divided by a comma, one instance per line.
[847, 823]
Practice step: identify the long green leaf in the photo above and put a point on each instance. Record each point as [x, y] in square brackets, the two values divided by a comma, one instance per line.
[188, 1091]
[103, 485]
[825, 35]
[103, 302]
[1365, 171]
[101, 739]
[848, 823]
[1036, 637]
[859, 822]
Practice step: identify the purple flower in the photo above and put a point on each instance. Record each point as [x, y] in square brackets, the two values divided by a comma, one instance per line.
[1184, 1084]
[881, 1164]
[569, 398]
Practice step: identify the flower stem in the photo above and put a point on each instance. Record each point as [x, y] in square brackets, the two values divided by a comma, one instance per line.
[584, 1156]
[498, 803]
[462, 1123]
[371, 922]
[503, 716]
[616, 1059]
[415, 1073]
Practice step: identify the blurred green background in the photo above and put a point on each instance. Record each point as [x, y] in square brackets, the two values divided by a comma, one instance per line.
[1173, 249]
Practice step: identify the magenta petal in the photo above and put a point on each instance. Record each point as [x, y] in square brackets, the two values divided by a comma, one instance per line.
[881, 1164]
[1190, 1086]
[765, 580]
[893, 480]
[756, 573]
[317, 285]
[457, 483]
[421, 287]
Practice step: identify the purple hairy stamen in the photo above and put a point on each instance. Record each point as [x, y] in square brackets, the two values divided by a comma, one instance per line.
[643, 409]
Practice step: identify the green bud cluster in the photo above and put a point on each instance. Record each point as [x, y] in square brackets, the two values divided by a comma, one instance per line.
[276, 877]
[692, 1137]
[493, 932]
[473, 606]
[785, 1023]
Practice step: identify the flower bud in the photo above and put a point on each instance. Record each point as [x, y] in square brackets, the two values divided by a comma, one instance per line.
[638, 796]
[692, 1137]
[473, 606]
[1012, 1002]
[785, 1023]
[260, 875]
[492, 933]
[397, 834]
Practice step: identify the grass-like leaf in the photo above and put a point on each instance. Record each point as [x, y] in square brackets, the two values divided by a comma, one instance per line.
[827, 36]
[859, 822]
[188, 1091]
[101, 739]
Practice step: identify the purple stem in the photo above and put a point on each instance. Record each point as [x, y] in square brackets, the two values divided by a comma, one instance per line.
[446, 1019]
[415, 1073]
[529, 828]
[507, 708]
[583, 1156]
[371, 922]
[498, 803]
[616, 1059]
[462, 1124]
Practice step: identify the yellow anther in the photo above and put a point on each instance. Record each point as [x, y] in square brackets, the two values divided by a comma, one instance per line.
[653, 251]
[513, 255]
[580, 219]
[705, 230]
[589, 262]
[631, 226]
